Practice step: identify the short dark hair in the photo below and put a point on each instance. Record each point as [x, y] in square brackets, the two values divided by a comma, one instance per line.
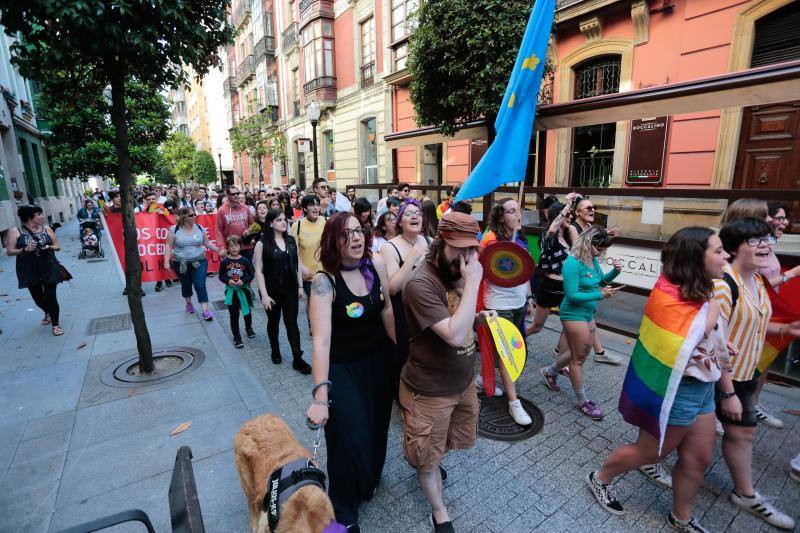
[113, 194]
[317, 182]
[462, 207]
[390, 188]
[401, 186]
[349, 187]
[734, 233]
[361, 205]
[27, 212]
[228, 189]
[774, 207]
[308, 200]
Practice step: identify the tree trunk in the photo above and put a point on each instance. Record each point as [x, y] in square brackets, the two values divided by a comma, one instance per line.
[133, 267]
[260, 173]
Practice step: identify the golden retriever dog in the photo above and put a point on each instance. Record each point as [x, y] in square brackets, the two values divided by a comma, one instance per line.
[261, 446]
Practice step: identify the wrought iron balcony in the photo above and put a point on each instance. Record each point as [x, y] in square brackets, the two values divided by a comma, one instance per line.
[289, 37]
[368, 75]
[247, 69]
[323, 82]
[264, 47]
[229, 85]
[305, 4]
[561, 4]
[310, 9]
[242, 13]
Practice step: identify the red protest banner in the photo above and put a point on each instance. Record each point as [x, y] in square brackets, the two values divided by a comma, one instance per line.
[151, 232]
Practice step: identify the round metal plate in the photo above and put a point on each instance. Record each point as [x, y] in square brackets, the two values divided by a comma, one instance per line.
[116, 375]
[496, 423]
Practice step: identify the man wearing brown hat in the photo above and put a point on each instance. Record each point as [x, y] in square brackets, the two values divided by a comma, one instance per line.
[437, 387]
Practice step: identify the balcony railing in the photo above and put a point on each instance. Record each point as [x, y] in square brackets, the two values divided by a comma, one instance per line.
[368, 75]
[323, 82]
[305, 4]
[296, 108]
[242, 13]
[264, 47]
[229, 85]
[310, 9]
[561, 4]
[593, 170]
[246, 70]
[289, 37]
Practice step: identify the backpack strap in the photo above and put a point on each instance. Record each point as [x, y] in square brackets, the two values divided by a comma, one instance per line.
[727, 278]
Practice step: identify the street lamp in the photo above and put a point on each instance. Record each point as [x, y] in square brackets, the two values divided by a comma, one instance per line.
[221, 181]
[313, 115]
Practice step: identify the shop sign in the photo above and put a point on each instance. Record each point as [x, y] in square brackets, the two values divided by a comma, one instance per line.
[647, 145]
[641, 267]
[303, 146]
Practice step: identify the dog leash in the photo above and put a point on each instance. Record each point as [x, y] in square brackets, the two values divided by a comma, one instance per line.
[316, 444]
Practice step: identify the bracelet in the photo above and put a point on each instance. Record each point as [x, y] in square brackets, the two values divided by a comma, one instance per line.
[785, 279]
[326, 403]
[326, 383]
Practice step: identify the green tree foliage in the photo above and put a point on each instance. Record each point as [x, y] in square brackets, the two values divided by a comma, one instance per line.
[178, 155]
[114, 42]
[204, 169]
[258, 137]
[461, 57]
[81, 138]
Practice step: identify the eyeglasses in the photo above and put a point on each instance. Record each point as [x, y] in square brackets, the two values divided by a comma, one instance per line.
[758, 241]
[780, 219]
[589, 208]
[351, 232]
[406, 191]
[411, 214]
[390, 219]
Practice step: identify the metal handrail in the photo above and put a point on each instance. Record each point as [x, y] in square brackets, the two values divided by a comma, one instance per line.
[326, 82]
[368, 75]
[289, 36]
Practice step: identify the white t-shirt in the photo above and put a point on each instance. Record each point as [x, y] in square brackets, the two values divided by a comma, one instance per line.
[505, 298]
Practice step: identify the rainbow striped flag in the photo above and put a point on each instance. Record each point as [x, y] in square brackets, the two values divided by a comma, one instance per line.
[785, 309]
[670, 330]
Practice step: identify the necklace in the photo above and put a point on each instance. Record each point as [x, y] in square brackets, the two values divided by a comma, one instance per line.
[409, 242]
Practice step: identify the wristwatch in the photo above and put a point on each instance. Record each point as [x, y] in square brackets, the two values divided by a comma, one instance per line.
[725, 395]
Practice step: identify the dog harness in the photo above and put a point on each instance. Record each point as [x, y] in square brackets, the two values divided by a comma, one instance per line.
[287, 480]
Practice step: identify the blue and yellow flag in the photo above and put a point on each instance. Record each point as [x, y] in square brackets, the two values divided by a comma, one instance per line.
[507, 157]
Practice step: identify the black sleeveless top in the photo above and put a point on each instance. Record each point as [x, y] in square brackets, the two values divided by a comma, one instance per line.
[280, 266]
[34, 268]
[357, 330]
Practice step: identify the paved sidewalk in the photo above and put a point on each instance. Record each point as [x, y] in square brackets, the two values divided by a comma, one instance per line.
[72, 449]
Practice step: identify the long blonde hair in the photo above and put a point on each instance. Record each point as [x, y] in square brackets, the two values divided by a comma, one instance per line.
[582, 247]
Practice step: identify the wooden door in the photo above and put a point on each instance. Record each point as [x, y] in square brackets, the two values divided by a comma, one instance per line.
[769, 150]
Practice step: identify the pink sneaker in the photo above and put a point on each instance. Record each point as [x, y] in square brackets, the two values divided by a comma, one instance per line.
[550, 381]
[190, 309]
[591, 410]
[207, 315]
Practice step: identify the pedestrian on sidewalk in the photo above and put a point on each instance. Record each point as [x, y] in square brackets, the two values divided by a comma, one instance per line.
[584, 218]
[236, 272]
[185, 254]
[307, 231]
[585, 284]
[35, 244]
[402, 255]
[682, 416]
[438, 397]
[280, 282]
[555, 248]
[351, 314]
[233, 218]
[746, 311]
[511, 303]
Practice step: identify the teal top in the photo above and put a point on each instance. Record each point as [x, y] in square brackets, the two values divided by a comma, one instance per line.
[582, 289]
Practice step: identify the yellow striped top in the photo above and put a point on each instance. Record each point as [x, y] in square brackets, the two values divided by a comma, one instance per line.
[747, 323]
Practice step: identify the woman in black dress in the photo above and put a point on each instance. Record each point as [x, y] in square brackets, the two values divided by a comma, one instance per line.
[35, 244]
[353, 325]
[280, 285]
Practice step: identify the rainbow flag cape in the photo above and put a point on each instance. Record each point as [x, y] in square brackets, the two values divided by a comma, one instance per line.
[784, 313]
[670, 330]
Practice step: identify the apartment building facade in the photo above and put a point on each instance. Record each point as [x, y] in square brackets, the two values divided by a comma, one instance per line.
[24, 165]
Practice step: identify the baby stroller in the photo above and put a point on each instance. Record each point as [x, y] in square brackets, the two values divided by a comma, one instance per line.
[90, 239]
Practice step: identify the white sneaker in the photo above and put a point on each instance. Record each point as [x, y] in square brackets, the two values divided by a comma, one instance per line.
[479, 384]
[658, 474]
[758, 506]
[519, 415]
[719, 430]
[794, 465]
[610, 359]
[767, 419]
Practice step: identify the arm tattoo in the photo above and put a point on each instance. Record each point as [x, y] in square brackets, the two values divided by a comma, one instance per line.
[321, 286]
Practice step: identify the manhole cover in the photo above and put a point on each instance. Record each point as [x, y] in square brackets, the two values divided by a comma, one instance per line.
[169, 362]
[109, 324]
[495, 423]
[219, 305]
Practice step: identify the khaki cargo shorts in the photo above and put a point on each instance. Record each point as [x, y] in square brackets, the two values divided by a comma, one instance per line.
[434, 424]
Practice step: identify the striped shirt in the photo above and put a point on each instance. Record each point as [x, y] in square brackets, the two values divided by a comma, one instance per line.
[747, 322]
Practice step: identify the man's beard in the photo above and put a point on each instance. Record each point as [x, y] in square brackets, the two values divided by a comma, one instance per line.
[449, 271]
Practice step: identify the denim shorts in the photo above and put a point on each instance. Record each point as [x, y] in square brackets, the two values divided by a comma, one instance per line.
[693, 398]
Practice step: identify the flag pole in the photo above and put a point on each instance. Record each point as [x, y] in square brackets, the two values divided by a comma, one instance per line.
[520, 207]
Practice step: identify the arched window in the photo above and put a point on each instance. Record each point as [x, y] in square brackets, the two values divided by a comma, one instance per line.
[593, 146]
